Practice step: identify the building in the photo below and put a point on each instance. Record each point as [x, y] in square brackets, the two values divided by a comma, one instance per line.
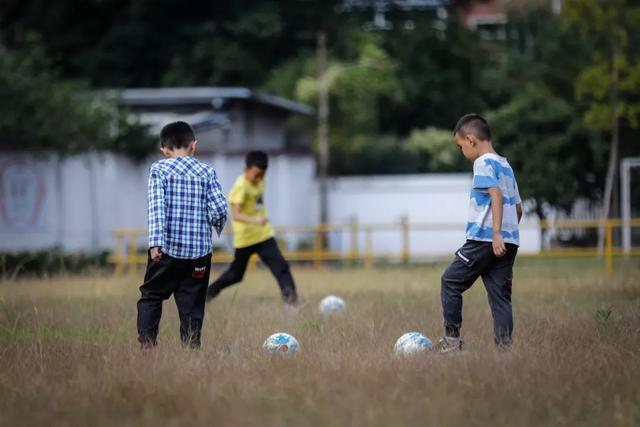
[76, 202]
[490, 18]
[228, 120]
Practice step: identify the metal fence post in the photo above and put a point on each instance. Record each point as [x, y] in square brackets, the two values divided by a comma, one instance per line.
[119, 257]
[368, 247]
[608, 251]
[355, 229]
[132, 252]
[317, 246]
[404, 223]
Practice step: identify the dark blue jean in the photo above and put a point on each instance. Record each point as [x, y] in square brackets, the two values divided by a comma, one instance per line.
[476, 259]
[186, 280]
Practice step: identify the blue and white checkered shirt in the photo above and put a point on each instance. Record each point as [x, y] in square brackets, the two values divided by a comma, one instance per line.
[185, 201]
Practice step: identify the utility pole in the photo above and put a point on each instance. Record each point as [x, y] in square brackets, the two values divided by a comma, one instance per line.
[323, 126]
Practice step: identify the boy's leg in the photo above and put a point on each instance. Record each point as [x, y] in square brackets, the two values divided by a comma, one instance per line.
[234, 273]
[497, 280]
[159, 282]
[270, 254]
[469, 261]
[190, 299]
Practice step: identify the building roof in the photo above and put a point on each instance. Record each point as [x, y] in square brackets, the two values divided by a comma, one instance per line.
[214, 96]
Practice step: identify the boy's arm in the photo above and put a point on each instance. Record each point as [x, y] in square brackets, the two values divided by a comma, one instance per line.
[499, 248]
[216, 205]
[518, 202]
[240, 217]
[156, 217]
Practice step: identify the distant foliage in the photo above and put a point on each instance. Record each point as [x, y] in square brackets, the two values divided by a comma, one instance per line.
[548, 145]
[49, 114]
[611, 29]
[538, 122]
[546, 85]
[436, 150]
[49, 262]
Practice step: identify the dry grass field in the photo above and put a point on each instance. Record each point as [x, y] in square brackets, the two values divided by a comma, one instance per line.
[68, 354]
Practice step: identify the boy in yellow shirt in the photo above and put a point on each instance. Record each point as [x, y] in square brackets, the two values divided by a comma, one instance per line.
[253, 233]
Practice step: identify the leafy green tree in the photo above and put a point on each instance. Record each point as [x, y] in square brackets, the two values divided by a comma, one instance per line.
[135, 43]
[555, 156]
[610, 84]
[356, 90]
[439, 74]
[537, 121]
[47, 114]
[436, 150]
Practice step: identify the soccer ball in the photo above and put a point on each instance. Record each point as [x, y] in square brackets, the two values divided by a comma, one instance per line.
[332, 303]
[411, 343]
[282, 343]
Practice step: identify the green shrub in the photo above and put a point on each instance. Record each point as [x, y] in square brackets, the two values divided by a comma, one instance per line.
[49, 262]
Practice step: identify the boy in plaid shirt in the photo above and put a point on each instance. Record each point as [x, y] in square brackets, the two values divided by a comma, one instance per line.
[185, 202]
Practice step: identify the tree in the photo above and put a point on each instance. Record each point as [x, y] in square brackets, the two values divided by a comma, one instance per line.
[555, 156]
[537, 122]
[438, 72]
[47, 114]
[356, 90]
[147, 43]
[436, 150]
[611, 83]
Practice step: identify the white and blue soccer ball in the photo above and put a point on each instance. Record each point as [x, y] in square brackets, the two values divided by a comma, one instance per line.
[412, 343]
[331, 304]
[282, 343]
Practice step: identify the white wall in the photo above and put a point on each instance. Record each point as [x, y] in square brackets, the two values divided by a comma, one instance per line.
[424, 199]
[28, 208]
[77, 202]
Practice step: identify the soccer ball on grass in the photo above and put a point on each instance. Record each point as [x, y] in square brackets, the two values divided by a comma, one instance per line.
[412, 343]
[281, 343]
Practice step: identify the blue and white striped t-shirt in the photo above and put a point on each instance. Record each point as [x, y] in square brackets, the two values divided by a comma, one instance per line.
[491, 170]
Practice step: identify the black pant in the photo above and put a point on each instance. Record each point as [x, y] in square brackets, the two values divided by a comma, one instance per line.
[473, 260]
[269, 254]
[187, 280]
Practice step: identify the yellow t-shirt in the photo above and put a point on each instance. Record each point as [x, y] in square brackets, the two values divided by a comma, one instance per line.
[250, 199]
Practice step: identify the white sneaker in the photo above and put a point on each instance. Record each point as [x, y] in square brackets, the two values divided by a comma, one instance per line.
[294, 307]
[449, 345]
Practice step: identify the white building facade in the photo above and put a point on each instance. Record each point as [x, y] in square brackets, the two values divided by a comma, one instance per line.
[77, 202]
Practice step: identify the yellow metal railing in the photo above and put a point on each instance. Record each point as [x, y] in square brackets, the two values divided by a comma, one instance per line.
[128, 256]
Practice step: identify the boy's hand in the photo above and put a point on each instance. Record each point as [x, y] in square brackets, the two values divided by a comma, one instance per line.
[261, 220]
[499, 249]
[155, 253]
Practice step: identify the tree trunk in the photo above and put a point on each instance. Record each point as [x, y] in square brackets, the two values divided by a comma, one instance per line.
[323, 129]
[612, 169]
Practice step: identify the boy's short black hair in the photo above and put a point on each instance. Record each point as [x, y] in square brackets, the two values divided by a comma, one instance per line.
[258, 159]
[473, 124]
[176, 135]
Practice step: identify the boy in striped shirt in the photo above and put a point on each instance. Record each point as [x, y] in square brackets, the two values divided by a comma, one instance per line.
[492, 233]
